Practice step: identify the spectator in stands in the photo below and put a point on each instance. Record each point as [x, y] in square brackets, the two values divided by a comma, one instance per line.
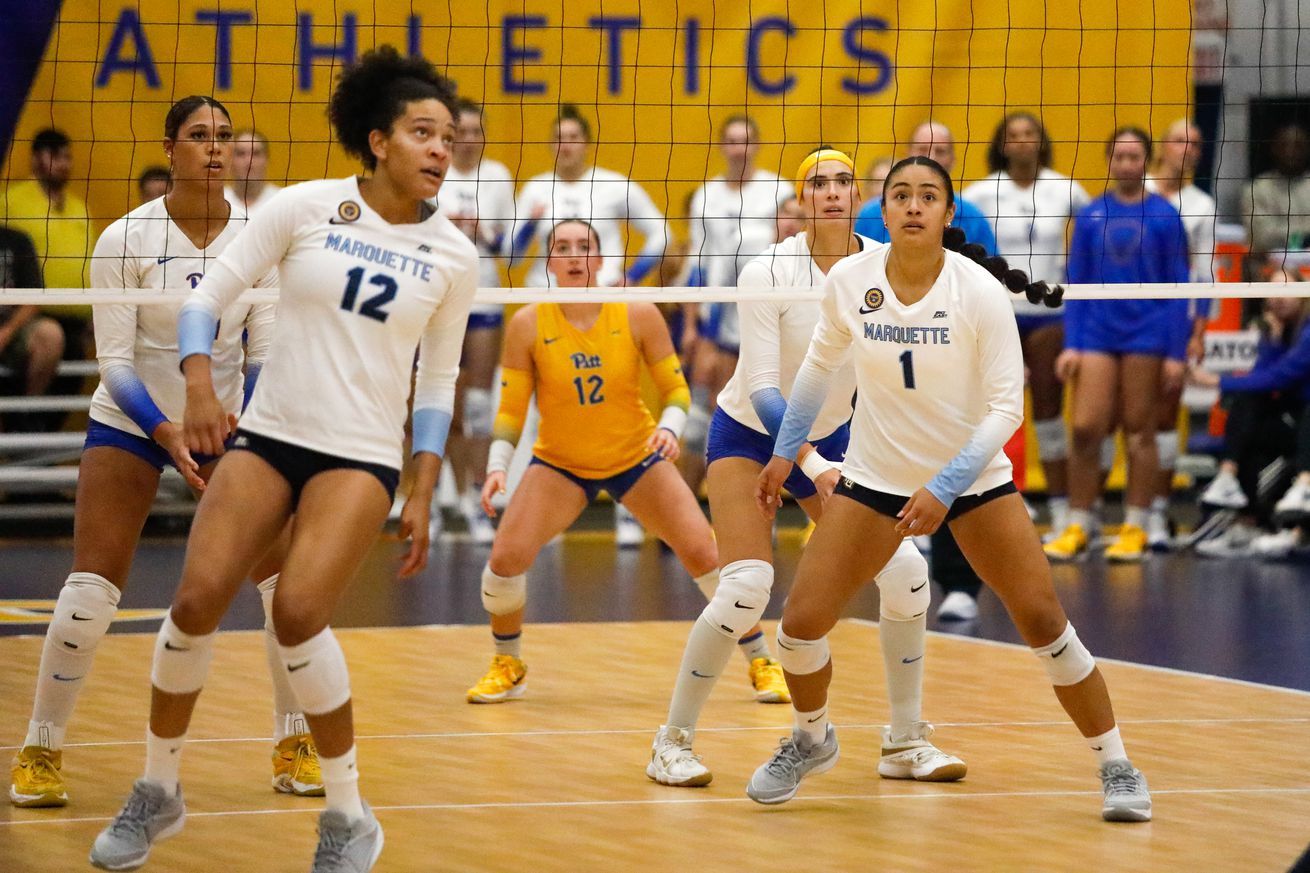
[1171, 178]
[1030, 206]
[934, 140]
[31, 344]
[60, 228]
[1266, 425]
[152, 183]
[874, 176]
[1119, 352]
[1276, 205]
[250, 188]
[790, 220]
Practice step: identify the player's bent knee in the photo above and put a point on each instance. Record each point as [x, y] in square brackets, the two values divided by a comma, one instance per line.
[741, 597]
[316, 670]
[801, 657]
[83, 612]
[903, 585]
[298, 619]
[502, 595]
[1066, 660]
[181, 659]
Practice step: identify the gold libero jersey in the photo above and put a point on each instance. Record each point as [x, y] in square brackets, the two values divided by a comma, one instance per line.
[358, 296]
[588, 383]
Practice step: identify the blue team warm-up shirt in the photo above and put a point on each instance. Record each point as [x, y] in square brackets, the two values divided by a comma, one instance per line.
[1115, 242]
[968, 218]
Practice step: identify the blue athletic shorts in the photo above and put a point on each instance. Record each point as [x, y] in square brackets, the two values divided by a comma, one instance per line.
[617, 485]
[151, 452]
[485, 320]
[730, 438]
[1029, 323]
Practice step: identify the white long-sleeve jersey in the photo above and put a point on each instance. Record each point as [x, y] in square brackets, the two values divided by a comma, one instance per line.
[358, 296]
[137, 345]
[487, 194]
[729, 226]
[602, 197]
[940, 382]
[776, 333]
[1031, 225]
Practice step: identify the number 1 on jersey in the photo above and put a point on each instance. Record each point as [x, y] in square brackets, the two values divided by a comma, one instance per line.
[907, 367]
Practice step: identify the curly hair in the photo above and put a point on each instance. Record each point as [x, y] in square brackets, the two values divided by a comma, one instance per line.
[372, 93]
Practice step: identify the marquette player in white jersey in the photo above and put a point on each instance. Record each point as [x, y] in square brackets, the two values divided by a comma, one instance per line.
[939, 374]
[775, 335]
[369, 274]
[1031, 207]
[135, 431]
[583, 362]
[477, 195]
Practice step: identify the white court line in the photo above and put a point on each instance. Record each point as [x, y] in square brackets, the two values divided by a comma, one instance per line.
[459, 735]
[1173, 671]
[567, 804]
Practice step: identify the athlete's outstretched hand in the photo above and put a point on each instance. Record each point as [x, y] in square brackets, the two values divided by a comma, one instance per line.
[921, 515]
[664, 442]
[494, 485]
[414, 519]
[170, 436]
[768, 488]
[1066, 365]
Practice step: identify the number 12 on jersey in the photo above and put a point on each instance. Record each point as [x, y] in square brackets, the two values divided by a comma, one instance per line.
[372, 307]
[907, 367]
[594, 396]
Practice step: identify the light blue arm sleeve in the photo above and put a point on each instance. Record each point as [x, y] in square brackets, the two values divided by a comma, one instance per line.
[431, 428]
[807, 396]
[196, 330]
[131, 396]
[771, 407]
[252, 376]
[964, 469]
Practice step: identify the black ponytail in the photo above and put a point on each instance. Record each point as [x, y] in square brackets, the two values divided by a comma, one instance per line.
[1016, 281]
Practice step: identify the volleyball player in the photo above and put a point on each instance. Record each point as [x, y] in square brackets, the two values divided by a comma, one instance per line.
[1120, 353]
[608, 200]
[583, 361]
[369, 273]
[774, 336]
[134, 432]
[1030, 207]
[478, 196]
[939, 373]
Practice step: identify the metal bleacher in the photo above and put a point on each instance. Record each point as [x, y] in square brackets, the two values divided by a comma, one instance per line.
[38, 471]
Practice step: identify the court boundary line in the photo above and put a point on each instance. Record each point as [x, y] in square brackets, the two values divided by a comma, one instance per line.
[671, 801]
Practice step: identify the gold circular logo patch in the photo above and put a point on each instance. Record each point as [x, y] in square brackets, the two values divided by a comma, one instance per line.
[873, 299]
[348, 210]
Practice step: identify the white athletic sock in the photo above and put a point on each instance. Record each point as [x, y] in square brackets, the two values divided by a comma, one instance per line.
[85, 608]
[708, 583]
[1109, 746]
[1137, 516]
[1057, 504]
[1160, 505]
[163, 760]
[1082, 517]
[814, 725]
[286, 711]
[508, 645]
[341, 784]
[703, 660]
[903, 644]
[756, 646]
[45, 734]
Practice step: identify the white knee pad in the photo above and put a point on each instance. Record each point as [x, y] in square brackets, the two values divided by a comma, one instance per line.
[801, 657]
[502, 595]
[1166, 446]
[181, 660]
[1066, 660]
[267, 589]
[1052, 439]
[739, 601]
[903, 584]
[317, 672]
[478, 413]
[85, 608]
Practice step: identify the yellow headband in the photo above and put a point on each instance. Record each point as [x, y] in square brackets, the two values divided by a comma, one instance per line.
[814, 158]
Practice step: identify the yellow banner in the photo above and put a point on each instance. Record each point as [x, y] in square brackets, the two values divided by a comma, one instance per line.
[658, 79]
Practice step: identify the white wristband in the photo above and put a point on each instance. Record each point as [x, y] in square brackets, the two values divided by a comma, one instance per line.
[499, 456]
[674, 419]
[815, 465]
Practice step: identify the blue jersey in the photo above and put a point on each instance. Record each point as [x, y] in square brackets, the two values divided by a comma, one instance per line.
[1278, 367]
[968, 218]
[1113, 243]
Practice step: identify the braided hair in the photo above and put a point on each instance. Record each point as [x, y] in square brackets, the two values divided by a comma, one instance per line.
[954, 240]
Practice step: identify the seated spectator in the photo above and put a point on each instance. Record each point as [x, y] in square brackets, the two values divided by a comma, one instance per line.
[152, 183]
[30, 344]
[1266, 423]
[1276, 205]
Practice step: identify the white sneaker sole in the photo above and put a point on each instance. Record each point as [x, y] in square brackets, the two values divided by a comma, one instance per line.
[700, 780]
[1129, 814]
[286, 785]
[510, 694]
[949, 771]
[783, 798]
[37, 801]
[171, 830]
